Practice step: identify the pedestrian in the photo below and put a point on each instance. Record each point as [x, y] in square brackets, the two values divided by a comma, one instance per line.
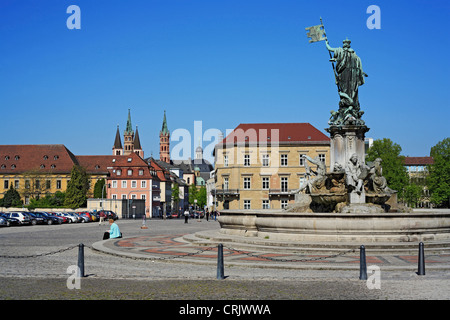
[186, 215]
[102, 217]
[207, 214]
[114, 231]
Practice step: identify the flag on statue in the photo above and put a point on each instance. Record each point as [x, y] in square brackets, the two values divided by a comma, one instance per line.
[316, 33]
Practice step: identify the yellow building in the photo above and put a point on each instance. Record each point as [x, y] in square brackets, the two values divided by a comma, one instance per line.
[258, 166]
[35, 170]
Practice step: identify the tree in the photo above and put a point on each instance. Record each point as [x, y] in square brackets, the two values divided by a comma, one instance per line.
[201, 197]
[439, 178]
[77, 188]
[392, 163]
[412, 194]
[175, 196]
[11, 198]
[98, 189]
[192, 194]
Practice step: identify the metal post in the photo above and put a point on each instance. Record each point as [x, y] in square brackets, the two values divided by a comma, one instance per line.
[81, 260]
[421, 271]
[362, 263]
[220, 269]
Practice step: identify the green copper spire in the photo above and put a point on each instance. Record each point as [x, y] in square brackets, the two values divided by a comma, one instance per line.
[165, 129]
[129, 128]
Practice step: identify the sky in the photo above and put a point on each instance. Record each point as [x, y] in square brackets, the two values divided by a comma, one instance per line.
[217, 63]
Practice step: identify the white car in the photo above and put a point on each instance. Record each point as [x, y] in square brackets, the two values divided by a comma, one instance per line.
[23, 219]
[68, 216]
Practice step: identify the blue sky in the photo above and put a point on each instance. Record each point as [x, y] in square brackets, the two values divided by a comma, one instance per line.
[222, 62]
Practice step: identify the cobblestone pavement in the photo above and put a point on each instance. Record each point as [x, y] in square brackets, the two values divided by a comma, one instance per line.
[27, 271]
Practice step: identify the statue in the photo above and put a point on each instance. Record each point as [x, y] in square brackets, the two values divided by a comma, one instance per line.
[355, 173]
[378, 182]
[318, 181]
[349, 74]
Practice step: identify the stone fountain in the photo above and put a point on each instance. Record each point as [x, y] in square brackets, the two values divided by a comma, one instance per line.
[351, 202]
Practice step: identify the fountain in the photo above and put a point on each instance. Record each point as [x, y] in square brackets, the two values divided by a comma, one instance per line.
[352, 202]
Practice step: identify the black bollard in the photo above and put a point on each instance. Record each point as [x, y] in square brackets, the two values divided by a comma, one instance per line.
[81, 260]
[362, 264]
[220, 270]
[421, 271]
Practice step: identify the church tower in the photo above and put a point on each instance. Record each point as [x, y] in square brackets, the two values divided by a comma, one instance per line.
[128, 137]
[137, 145]
[117, 148]
[164, 142]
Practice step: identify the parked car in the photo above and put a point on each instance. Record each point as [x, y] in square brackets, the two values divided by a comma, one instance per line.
[48, 218]
[86, 214]
[76, 218]
[69, 218]
[34, 219]
[12, 221]
[23, 218]
[109, 214]
[55, 214]
[4, 222]
[83, 218]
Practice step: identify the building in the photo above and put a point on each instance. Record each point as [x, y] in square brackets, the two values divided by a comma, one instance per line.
[417, 168]
[164, 142]
[131, 141]
[258, 166]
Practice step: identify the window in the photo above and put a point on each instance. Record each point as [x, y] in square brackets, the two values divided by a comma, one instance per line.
[225, 160]
[16, 184]
[265, 160]
[225, 183]
[55, 157]
[265, 204]
[284, 160]
[133, 196]
[58, 184]
[38, 184]
[124, 196]
[48, 184]
[143, 184]
[130, 172]
[322, 157]
[114, 184]
[119, 172]
[27, 184]
[246, 204]
[143, 196]
[301, 181]
[284, 184]
[134, 184]
[114, 196]
[246, 160]
[247, 183]
[284, 204]
[124, 184]
[265, 183]
[302, 161]
[141, 172]
[6, 184]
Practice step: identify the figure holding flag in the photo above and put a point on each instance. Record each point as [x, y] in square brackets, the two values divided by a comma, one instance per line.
[348, 73]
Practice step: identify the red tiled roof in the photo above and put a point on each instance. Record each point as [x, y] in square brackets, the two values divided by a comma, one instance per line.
[418, 161]
[47, 158]
[272, 132]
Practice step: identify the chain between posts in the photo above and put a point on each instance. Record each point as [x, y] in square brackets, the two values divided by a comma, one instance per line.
[169, 257]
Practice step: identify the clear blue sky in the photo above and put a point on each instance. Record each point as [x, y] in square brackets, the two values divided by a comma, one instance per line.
[222, 62]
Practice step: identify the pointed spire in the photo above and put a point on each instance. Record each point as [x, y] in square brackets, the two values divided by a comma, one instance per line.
[137, 142]
[165, 129]
[117, 141]
[129, 128]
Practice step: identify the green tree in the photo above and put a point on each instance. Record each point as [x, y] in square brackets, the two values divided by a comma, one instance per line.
[392, 162]
[201, 197]
[77, 188]
[175, 196]
[11, 198]
[192, 194]
[98, 189]
[412, 194]
[439, 178]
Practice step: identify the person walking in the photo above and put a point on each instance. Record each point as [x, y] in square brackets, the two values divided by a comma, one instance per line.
[102, 217]
[186, 215]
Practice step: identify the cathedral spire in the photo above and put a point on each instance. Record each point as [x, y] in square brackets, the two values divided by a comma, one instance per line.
[165, 129]
[129, 128]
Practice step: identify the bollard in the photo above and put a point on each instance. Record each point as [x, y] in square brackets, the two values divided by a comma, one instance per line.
[362, 264]
[81, 260]
[421, 267]
[220, 270]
